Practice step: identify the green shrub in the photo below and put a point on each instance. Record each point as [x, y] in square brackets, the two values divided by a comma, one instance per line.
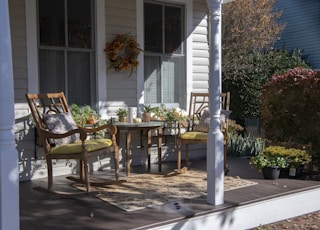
[290, 107]
[245, 76]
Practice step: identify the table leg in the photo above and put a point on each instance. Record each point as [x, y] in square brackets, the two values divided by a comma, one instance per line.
[128, 143]
[159, 147]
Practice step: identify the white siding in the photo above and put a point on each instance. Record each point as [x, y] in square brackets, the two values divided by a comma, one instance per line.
[200, 47]
[24, 137]
[120, 19]
[302, 30]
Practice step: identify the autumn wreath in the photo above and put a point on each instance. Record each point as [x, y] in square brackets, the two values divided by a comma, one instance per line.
[123, 53]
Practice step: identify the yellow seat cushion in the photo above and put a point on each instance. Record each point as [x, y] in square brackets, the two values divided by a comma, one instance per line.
[194, 135]
[91, 145]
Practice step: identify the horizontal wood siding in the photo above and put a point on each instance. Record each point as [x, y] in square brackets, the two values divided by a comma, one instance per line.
[302, 30]
[24, 134]
[19, 48]
[120, 19]
[200, 47]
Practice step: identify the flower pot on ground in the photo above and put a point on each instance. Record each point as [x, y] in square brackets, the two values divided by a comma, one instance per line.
[269, 157]
[295, 171]
[271, 173]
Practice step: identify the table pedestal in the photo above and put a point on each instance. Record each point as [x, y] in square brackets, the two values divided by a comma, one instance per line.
[144, 126]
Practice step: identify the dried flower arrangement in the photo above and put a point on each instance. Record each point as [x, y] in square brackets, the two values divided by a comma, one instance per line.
[123, 53]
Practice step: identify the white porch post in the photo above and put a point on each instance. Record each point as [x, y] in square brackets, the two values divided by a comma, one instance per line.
[9, 181]
[215, 162]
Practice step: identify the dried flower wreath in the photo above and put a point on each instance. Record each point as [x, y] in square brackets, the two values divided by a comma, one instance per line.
[123, 53]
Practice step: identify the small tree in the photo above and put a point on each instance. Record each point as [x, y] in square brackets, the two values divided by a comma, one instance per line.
[249, 26]
[248, 29]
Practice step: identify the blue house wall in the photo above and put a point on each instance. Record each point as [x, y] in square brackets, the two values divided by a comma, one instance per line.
[303, 28]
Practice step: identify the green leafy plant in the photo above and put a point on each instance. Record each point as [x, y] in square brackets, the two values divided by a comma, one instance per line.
[295, 157]
[147, 108]
[122, 112]
[159, 112]
[81, 115]
[244, 145]
[269, 157]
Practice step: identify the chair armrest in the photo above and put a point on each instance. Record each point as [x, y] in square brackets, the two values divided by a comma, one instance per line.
[112, 129]
[47, 134]
[183, 125]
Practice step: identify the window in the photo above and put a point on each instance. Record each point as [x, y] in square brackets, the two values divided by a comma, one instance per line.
[164, 55]
[66, 49]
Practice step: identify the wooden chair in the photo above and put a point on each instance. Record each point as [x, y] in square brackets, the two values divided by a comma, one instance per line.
[199, 102]
[46, 108]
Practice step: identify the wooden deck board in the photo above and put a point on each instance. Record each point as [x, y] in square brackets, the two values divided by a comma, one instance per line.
[45, 211]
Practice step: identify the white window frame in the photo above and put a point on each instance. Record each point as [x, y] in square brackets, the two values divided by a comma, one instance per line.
[188, 54]
[32, 51]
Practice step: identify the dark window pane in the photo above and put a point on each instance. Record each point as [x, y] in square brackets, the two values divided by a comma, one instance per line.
[51, 22]
[173, 30]
[153, 28]
[62, 68]
[79, 23]
[52, 67]
[79, 77]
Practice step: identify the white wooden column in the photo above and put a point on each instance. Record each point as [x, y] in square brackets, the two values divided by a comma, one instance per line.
[215, 161]
[9, 181]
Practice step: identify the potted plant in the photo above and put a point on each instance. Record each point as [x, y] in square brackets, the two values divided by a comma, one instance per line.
[270, 161]
[296, 158]
[146, 115]
[122, 114]
[83, 115]
[159, 113]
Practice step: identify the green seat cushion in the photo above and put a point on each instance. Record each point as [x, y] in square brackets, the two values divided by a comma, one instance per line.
[91, 145]
[194, 136]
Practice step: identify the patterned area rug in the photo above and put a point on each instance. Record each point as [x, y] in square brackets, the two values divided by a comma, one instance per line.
[147, 190]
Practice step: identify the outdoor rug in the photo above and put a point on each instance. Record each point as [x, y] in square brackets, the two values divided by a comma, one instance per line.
[148, 189]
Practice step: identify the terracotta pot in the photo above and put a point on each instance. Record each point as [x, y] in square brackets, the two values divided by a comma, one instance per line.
[90, 120]
[146, 117]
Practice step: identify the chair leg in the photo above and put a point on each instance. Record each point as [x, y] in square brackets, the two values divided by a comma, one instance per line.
[50, 176]
[116, 162]
[187, 155]
[86, 175]
[178, 155]
[82, 175]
